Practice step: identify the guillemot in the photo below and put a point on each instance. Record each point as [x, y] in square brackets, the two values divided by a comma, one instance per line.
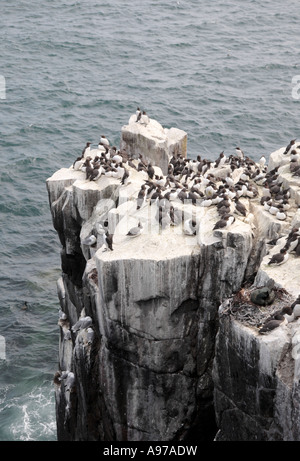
[279, 258]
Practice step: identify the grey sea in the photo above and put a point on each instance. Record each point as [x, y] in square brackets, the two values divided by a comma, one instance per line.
[228, 73]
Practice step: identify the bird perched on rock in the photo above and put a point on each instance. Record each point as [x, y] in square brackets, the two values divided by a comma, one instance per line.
[296, 307]
[135, 231]
[144, 118]
[96, 173]
[289, 147]
[291, 243]
[86, 150]
[82, 323]
[224, 222]
[125, 177]
[141, 197]
[138, 114]
[90, 241]
[150, 171]
[239, 153]
[262, 161]
[77, 164]
[220, 160]
[104, 141]
[109, 240]
[240, 207]
[190, 227]
[279, 258]
[271, 325]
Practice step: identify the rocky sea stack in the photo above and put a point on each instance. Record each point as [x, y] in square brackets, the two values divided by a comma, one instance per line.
[167, 292]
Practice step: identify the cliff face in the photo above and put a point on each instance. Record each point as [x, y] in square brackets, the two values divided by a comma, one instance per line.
[140, 327]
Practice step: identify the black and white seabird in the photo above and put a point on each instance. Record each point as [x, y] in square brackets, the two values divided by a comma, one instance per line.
[296, 307]
[82, 323]
[141, 197]
[239, 153]
[125, 177]
[279, 258]
[95, 174]
[190, 227]
[138, 114]
[271, 325]
[150, 171]
[145, 119]
[225, 221]
[289, 147]
[86, 150]
[135, 231]
[220, 160]
[240, 207]
[109, 240]
[90, 334]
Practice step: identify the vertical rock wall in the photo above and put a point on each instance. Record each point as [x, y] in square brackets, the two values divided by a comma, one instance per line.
[141, 332]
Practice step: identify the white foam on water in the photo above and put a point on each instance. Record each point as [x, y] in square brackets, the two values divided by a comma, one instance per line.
[36, 419]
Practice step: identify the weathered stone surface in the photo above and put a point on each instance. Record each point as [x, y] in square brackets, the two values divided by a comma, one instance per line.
[153, 142]
[162, 353]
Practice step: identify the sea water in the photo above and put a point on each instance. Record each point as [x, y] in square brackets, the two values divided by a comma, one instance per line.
[227, 73]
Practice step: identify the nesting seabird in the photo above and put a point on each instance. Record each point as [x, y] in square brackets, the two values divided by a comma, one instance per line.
[125, 177]
[190, 227]
[239, 153]
[279, 258]
[225, 221]
[86, 150]
[109, 240]
[291, 243]
[144, 118]
[296, 307]
[150, 171]
[82, 323]
[91, 240]
[135, 231]
[138, 114]
[271, 325]
[240, 207]
[220, 160]
[96, 173]
[141, 197]
[90, 335]
[77, 164]
[262, 161]
[104, 141]
[289, 147]
[69, 381]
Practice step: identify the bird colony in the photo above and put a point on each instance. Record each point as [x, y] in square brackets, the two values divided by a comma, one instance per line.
[222, 194]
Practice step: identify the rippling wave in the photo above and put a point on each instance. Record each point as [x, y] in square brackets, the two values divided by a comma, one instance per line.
[221, 71]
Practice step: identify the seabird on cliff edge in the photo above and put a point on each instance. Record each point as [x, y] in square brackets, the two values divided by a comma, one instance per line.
[279, 258]
[135, 231]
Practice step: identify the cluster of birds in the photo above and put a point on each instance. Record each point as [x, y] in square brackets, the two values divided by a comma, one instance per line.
[142, 117]
[293, 151]
[291, 245]
[275, 197]
[282, 316]
[197, 181]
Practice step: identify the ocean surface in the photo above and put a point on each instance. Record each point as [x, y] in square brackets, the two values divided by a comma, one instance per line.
[225, 72]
